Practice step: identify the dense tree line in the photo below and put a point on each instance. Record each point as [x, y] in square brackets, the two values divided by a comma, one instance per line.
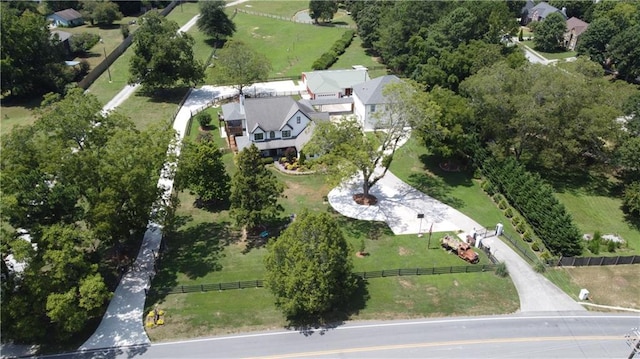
[81, 185]
[613, 38]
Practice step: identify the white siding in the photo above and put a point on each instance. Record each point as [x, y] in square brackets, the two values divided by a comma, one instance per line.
[359, 110]
[295, 127]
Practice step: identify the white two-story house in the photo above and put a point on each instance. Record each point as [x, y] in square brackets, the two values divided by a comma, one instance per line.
[368, 99]
[273, 124]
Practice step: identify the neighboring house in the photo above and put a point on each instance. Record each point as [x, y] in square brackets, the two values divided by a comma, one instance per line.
[64, 40]
[273, 124]
[575, 28]
[368, 99]
[540, 12]
[66, 18]
[333, 83]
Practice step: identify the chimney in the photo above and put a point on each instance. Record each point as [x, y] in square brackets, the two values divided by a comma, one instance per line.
[564, 11]
[242, 104]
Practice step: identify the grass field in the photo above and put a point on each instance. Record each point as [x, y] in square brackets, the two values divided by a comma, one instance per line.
[607, 285]
[291, 48]
[279, 8]
[595, 212]
[550, 55]
[356, 55]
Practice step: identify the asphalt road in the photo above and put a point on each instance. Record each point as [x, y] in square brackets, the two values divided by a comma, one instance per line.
[583, 335]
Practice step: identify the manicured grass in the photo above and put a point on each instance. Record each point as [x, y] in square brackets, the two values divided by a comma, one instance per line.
[280, 8]
[184, 12]
[355, 54]
[592, 212]
[217, 313]
[291, 48]
[146, 110]
[14, 113]
[550, 55]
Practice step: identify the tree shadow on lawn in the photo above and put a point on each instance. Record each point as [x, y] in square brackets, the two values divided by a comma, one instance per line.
[356, 228]
[163, 95]
[321, 323]
[194, 251]
[580, 182]
[212, 206]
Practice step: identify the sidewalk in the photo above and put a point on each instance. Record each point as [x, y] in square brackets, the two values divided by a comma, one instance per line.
[398, 206]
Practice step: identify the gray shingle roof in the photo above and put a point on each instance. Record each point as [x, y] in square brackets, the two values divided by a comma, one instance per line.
[62, 35]
[333, 81]
[543, 10]
[370, 92]
[69, 14]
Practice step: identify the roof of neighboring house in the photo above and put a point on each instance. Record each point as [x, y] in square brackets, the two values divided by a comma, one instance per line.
[543, 9]
[63, 35]
[68, 14]
[370, 92]
[333, 81]
[576, 24]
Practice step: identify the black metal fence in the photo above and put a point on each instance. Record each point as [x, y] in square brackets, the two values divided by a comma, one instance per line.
[365, 275]
[594, 261]
[530, 257]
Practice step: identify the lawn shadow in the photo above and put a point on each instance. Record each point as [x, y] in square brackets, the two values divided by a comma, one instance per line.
[321, 323]
[29, 103]
[194, 251]
[632, 221]
[164, 95]
[213, 206]
[363, 229]
[582, 182]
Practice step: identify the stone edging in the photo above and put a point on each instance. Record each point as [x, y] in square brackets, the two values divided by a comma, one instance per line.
[281, 168]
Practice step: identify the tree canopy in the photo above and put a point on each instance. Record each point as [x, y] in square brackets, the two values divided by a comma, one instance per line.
[309, 267]
[322, 10]
[163, 57]
[100, 12]
[239, 65]
[80, 184]
[202, 171]
[213, 21]
[550, 33]
[32, 60]
[254, 191]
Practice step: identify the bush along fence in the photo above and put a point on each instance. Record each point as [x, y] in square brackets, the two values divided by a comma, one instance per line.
[330, 57]
[364, 275]
[593, 261]
[534, 199]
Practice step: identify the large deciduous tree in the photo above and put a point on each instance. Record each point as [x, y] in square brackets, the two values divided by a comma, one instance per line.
[309, 268]
[346, 150]
[239, 65]
[100, 12]
[80, 183]
[625, 54]
[549, 34]
[163, 56]
[202, 171]
[32, 60]
[322, 10]
[213, 21]
[254, 191]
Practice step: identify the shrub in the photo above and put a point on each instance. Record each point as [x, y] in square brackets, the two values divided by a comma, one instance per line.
[487, 187]
[266, 160]
[595, 242]
[535, 246]
[516, 220]
[283, 160]
[302, 158]
[83, 42]
[546, 255]
[521, 227]
[124, 30]
[520, 35]
[290, 154]
[539, 267]
[508, 212]
[497, 198]
[501, 270]
[204, 119]
[330, 57]
[611, 246]
[204, 137]
[503, 204]
[527, 235]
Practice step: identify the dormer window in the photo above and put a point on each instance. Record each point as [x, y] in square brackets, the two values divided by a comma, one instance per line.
[298, 120]
[373, 108]
[286, 133]
[258, 136]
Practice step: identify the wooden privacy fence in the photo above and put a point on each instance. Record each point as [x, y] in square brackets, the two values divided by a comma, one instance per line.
[364, 275]
[594, 261]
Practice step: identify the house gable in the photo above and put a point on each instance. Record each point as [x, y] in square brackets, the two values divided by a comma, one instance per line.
[68, 17]
[333, 83]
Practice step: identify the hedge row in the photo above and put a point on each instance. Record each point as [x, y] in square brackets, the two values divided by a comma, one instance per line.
[330, 57]
[534, 199]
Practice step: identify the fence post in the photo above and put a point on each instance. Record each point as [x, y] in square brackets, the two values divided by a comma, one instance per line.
[202, 287]
[182, 288]
[220, 287]
[573, 262]
[601, 260]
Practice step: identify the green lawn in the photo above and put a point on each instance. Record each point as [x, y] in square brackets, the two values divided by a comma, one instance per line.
[550, 55]
[291, 48]
[593, 212]
[280, 8]
[14, 113]
[184, 12]
[355, 54]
